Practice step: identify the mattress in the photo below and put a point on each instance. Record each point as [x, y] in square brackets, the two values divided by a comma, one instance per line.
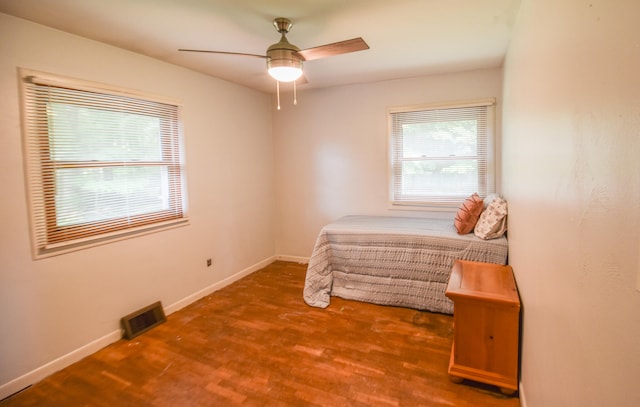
[399, 261]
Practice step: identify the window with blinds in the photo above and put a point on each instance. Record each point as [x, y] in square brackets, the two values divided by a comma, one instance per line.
[439, 155]
[102, 163]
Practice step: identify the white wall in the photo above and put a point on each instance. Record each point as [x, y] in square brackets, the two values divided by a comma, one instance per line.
[54, 306]
[571, 174]
[331, 149]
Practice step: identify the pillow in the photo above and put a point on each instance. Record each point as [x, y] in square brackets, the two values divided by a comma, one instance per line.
[468, 214]
[489, 198]
[493, 221]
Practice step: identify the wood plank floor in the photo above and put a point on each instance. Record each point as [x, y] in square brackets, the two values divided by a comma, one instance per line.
[256, 343]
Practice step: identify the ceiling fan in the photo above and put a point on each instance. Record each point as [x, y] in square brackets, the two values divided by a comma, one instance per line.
[284, 60]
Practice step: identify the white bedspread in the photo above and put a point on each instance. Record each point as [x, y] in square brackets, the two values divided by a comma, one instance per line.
[392, 261]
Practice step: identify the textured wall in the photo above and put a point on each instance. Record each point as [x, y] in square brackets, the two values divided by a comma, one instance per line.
[571, 142]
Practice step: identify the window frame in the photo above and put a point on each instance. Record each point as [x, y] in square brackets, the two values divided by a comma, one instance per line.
[47, 236]
[447, 202]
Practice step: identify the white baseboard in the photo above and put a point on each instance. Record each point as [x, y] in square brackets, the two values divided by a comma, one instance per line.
[293, 259]
[216, 286]
[523, 401]
[34, 376]
[43, 371]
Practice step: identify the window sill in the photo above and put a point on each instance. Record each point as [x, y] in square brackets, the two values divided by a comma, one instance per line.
[425, 207]
[81, 244]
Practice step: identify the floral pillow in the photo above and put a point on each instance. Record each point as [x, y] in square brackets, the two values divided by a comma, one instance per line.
[493, 221]
[468, 214]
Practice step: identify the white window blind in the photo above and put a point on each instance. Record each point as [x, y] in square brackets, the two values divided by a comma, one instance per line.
[100, 163]
[439, 155]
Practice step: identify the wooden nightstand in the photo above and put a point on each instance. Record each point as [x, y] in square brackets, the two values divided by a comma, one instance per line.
[486, 318]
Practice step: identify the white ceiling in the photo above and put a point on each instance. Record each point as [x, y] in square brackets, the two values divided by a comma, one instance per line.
[406, 37]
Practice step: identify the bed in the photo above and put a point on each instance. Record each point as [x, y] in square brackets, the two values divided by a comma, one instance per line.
[399, 261]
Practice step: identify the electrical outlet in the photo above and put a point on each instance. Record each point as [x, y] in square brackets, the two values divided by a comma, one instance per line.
[209, 262]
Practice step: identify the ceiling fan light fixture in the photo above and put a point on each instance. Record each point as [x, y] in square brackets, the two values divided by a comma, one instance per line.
[283, 63]
[285, 73]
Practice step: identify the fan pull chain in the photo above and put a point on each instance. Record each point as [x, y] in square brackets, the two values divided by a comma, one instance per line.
[278, 92]
[295, 97]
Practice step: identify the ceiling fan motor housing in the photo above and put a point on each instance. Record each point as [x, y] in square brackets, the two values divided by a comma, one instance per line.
[283, 55]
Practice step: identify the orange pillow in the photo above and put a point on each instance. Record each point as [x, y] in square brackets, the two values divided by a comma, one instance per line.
[468, 214]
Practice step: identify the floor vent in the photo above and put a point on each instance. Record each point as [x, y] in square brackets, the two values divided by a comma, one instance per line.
[142, 320]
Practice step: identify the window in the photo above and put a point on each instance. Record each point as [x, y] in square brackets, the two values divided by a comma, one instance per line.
[102, 163]
[439, 155]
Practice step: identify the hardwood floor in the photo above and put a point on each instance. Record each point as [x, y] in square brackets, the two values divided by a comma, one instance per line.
[256, 343]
